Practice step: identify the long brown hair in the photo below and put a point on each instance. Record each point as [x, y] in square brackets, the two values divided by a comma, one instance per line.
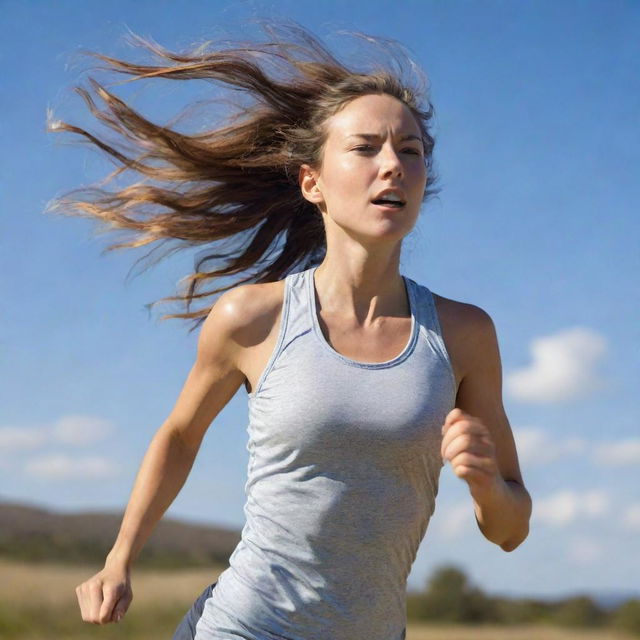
[238, 181]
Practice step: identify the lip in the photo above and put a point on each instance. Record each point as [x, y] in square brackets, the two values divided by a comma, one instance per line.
[391, 192]
[389, 207]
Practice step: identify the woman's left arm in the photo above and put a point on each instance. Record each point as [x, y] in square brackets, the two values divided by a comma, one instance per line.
[478, 441]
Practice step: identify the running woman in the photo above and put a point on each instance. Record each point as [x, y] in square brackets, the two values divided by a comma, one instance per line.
[361, 382]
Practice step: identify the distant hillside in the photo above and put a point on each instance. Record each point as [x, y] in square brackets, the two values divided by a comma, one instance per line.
[36, 534]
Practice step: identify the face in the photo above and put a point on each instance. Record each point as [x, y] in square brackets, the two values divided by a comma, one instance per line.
[356, 169]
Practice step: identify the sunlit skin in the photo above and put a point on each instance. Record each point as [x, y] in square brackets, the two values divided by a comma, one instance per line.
[360, 277]
[356, 169]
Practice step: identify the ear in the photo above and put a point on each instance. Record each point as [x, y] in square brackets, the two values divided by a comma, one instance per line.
[308, 181]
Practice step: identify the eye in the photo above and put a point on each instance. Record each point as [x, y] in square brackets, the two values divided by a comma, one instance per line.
[367, 147]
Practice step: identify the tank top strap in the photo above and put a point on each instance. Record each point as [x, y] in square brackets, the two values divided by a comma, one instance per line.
[297, 319]
[427, 316]
[294, 321]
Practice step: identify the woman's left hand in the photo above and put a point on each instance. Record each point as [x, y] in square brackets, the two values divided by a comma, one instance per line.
[468, 445]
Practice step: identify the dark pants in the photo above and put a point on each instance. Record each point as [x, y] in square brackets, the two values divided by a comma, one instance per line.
[186, 630]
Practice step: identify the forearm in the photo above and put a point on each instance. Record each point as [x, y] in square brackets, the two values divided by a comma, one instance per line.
[503, 513]
[163, 471]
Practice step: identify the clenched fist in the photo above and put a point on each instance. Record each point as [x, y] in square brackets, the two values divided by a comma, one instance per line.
[106, 596]
[468, 446]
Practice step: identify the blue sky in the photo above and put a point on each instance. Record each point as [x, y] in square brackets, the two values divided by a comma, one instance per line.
[537, 148]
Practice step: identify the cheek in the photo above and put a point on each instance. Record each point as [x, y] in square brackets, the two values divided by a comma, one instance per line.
[349, 180]
[417, 170]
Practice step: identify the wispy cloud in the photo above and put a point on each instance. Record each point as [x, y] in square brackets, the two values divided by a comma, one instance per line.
[616, 454]
[537, 447]
[565, 507]
[63, 467]
[455, 519]
[81, 430]
[28, 449]
[563, 367]
[74, 429]
[584, 550]
[631, 517]
[14, 439]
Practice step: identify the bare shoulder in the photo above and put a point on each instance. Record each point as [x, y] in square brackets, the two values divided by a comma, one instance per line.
[236, 321]
[462, 316]
[243, 326]
[245, 314]
[463, 326]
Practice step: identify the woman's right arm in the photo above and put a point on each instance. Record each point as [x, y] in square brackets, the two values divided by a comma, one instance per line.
[211, 383]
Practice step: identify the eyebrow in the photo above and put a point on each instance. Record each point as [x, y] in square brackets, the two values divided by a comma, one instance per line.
[373, 136]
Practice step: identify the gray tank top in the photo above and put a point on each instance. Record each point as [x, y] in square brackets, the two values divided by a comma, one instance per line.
[344, 463]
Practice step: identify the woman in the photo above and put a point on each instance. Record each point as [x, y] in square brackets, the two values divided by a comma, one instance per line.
[361, 382]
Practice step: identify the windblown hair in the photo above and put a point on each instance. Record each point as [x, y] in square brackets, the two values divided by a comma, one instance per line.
[238, 181]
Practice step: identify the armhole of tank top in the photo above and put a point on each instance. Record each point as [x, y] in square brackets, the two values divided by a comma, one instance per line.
[437, 336]
[284, 314]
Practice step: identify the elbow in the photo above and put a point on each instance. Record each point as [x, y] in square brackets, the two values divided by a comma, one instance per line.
[510, 546]
[513, 543]
[515, 540]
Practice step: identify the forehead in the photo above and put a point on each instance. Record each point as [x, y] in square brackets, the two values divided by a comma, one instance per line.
[374, 114]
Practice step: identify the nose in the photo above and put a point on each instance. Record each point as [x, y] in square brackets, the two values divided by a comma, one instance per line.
[391, 162]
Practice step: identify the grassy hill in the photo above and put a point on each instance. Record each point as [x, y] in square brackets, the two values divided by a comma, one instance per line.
[36, 534]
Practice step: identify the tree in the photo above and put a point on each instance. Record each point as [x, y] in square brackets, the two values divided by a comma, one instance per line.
[627, 617]
[579, 611]
[450, 598]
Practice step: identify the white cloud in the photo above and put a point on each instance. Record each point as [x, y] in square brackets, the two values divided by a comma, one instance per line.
[456, 519]
[631, 517]
[595, 503]
[616, 454]
[536, 447]
[13, 439]
[74, 429]
[583, 550]
[563, 367]
[559, 509]
[81, 430]
[62, 467]
[564, 507]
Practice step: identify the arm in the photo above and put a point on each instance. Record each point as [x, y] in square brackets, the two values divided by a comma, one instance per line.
[478, 441]
[211, 383]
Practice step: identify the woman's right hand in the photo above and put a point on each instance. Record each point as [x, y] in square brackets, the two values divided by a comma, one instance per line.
[106, 596]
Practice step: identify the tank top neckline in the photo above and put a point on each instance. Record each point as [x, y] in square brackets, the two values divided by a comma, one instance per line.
[403, 355]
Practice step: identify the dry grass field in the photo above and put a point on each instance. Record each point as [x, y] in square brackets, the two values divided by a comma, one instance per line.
[38, 602]
[420, 632]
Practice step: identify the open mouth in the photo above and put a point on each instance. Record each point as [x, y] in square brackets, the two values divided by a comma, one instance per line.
[389, 204]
